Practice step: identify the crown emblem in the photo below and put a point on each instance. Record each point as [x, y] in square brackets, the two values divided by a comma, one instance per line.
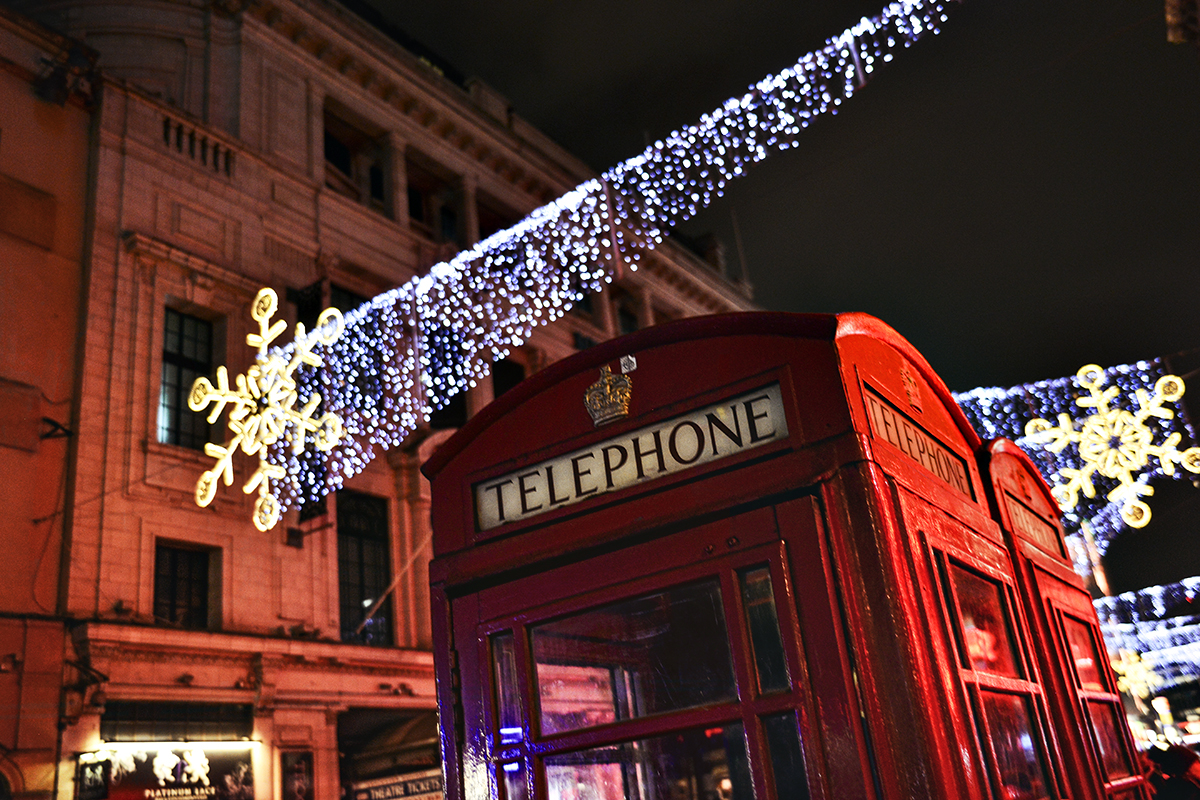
[911, 388]
[607, 399]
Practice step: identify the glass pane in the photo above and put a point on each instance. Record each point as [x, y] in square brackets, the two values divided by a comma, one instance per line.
[1018, 760]
[691, 765]
[984, 620]
[660, 652]
[512, 777]
[1105, 719]
[762, 620]
[787, 758]
[1084, 654]
[510, 718]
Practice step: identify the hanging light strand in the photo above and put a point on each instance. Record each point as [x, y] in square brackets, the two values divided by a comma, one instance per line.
[407, 352]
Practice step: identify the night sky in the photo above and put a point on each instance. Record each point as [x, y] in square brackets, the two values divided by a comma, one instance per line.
[1018, 196]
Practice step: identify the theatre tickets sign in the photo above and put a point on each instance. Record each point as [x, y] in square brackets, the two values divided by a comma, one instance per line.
[708, 434]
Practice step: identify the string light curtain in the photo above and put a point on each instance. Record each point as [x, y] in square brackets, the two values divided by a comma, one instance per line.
[998, 412]
[408, 351]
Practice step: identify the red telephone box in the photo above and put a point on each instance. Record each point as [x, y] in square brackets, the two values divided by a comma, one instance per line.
[754, 556]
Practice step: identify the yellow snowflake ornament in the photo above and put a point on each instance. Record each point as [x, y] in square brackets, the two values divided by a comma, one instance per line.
[263, 408]
[1134, 676]
[1115, 443]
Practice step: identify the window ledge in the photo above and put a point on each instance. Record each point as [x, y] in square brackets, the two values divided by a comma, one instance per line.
[171, 466]
[176, 452]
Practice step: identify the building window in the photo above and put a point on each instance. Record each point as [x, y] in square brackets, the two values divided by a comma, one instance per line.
[506, 374]
[187, 355]
[364, 568]
[355, 161]
[142, 721]
[344, 300]
[627, 318]
[493, 216]
[434, 200]
[584, 307]
[448, 227]
[183, 582]
[450, 416]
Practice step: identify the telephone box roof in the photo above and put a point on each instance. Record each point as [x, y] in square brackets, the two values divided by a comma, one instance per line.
[830, 327]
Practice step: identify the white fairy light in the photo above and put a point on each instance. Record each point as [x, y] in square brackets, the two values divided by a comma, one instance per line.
[407, 352]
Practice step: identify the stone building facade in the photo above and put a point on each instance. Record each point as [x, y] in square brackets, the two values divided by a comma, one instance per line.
[45, 124]
[289, 144]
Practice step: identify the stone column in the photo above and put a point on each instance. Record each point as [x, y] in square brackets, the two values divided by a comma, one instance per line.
[479, 396]
[397, 177]
[316, 145]
[645, 308]
[470, 210]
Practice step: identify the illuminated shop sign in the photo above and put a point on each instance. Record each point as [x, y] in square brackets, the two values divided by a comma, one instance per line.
[911, 439]
[414, 786]
[172, 771]
[699, 437]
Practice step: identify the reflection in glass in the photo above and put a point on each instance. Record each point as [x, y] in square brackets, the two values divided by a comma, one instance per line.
[661, 652]
[1105, 719]
[509, 714]
[762, 620]
[787, 759]
[985, 628]
[512, 776]
[697, 764]
[1018, 760]
[1084, 654]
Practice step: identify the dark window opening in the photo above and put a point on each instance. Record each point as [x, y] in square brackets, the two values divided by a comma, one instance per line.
[451, 415]
[375, 182]
[182, 586]
[364, 568]
[627, 319]
[434, 200]
[377, 742]
[344, 300]
[308, 303]
[584, 305]
[416, 205]
[355, 161]
[493, 219]
[449, 223]
[582, 342]
[143, 721]
[338, 154]
[506, 374]
[187, 355]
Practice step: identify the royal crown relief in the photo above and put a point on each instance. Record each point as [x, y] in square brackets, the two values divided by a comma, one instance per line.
[607, 400]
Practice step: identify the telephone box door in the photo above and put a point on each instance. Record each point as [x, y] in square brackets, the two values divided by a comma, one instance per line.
[688, 669]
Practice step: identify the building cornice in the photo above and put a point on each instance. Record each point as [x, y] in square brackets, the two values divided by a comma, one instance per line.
[327, 32]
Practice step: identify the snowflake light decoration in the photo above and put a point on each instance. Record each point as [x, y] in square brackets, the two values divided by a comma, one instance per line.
[1115, 443]
[263, 407]
[1135, 676]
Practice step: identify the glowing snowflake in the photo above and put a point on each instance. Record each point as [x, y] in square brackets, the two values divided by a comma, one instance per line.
[263, 408]
[1134, 676]
[1115, 443]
